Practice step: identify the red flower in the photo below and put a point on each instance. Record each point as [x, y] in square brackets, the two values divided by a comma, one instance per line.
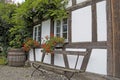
[49, 44]
[30, 43]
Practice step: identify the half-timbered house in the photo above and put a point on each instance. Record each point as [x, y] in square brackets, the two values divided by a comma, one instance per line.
[92, 25]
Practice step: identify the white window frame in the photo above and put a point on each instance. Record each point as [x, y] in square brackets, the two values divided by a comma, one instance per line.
[61, 28]
[37, 32]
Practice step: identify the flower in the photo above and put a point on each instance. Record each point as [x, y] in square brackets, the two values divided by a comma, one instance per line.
[49, 43]
[30, 43]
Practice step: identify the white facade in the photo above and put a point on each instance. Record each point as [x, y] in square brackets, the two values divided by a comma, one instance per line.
[82, 25]
[82, 32]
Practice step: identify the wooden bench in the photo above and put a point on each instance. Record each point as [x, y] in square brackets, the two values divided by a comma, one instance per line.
[66, 71]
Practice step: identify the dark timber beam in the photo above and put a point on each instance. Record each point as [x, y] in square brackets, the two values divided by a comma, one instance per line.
[52, 32]
[82, 4]
[115, 6]
[94, 22]
[96, 45]
[114, 49]
[109, 40]
[69, 26]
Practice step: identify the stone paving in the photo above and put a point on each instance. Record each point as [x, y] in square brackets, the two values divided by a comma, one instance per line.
[24, 73]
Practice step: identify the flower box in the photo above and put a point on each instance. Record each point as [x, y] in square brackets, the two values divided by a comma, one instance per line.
[51, 43]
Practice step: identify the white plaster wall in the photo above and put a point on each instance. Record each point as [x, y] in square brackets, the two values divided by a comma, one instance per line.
[101, 21]
[72, 61]
[82, 25]
[45, 29]
[80, 1]
[38, 55]
[59, 60]
[47, 58]
[98, 61]
[31, 56]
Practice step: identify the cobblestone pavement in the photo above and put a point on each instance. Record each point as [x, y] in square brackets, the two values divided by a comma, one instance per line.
[24, 73]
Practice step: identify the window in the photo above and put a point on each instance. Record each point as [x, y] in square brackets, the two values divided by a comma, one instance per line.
[36, 32]
[61, 28]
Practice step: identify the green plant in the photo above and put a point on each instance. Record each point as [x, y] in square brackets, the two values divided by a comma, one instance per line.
[16, 42]
[6, 12]
[3, 60]
[50, 43]
[30, 43]
[17, 36]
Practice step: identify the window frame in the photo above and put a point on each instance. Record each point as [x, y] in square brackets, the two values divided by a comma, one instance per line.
[61, 28]
[37, 35]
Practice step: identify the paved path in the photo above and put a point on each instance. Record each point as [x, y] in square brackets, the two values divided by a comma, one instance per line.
[23, 73]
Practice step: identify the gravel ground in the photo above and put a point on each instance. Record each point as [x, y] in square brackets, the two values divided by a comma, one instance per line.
[24, 73]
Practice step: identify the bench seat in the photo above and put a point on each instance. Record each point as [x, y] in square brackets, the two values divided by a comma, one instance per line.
[55, 67]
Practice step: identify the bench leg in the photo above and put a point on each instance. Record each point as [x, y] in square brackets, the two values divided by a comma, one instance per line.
[68, 75]
[36, 69]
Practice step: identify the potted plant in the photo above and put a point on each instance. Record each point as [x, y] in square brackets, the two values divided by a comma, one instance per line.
[52, 42]
[16, 56]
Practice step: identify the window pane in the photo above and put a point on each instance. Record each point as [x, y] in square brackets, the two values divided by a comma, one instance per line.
[39, 33]
[65, 21]
[58, 35]
[65, 35]
[58, 23]
[64, 28]
[35, 34]
[57, 29]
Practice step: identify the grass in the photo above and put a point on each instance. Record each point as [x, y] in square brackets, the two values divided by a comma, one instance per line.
[3, 60]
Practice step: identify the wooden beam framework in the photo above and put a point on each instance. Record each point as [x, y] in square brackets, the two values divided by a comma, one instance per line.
[52, 32]
[109, 40]
[94, 22]
[115, 23]
[83, 4]
[113, 34]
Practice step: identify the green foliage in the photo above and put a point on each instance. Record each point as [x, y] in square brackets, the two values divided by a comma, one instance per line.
[3, 60]
[46, 9]
[17, 35]
[6, 13]
[30, 9]
[16, 42]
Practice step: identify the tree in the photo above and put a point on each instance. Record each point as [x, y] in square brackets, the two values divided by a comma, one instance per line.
[6, 11]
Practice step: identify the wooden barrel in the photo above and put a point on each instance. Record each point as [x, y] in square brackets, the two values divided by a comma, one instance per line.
[16, 57]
